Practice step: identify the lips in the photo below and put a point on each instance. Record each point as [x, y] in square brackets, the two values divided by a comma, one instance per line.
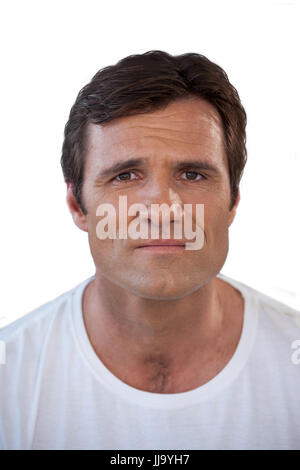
[164, 243]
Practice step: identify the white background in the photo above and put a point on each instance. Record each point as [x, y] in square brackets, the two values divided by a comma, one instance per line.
[50, 50]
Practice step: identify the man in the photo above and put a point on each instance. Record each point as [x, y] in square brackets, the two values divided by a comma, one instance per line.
[158, 349]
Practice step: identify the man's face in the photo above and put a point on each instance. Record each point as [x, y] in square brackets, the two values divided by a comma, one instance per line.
[165, 141]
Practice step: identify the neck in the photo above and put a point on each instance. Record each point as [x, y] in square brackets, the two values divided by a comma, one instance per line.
[157, 345]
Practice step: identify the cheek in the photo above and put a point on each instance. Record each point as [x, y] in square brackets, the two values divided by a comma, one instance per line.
[99, 247]
[216, 224]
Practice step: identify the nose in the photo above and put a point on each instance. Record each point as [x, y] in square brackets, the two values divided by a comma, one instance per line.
[158, 198]
[157, 189]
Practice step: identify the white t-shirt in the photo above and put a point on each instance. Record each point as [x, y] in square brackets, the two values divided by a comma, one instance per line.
[55, 393]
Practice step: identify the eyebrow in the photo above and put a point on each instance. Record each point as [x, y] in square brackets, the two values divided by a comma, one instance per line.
[139, 162]
[121, 166]
[197, 165]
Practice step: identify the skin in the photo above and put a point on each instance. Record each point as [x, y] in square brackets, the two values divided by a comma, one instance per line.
[160, 321]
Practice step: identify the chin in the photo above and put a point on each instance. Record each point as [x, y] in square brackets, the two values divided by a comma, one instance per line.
[164, 289]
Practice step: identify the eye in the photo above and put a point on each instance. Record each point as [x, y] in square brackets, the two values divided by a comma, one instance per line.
[192, 175]
[124, 176]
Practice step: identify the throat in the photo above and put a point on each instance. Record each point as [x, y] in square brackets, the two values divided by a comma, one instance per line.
[159, 373]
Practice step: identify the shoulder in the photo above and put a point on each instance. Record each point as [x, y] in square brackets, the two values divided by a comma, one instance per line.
[267, 306]
[24, 338]
[270, 311]
[283, 317]
[27, 347]
[37, 319]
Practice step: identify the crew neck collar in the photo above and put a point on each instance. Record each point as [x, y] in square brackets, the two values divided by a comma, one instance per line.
[167, 400]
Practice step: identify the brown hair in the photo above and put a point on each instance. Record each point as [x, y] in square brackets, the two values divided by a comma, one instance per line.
[143, 83]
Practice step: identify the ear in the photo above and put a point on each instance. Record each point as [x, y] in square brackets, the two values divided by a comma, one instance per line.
[234, 208]
[77, 214]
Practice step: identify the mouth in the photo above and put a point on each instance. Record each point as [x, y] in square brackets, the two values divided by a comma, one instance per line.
[162, 246]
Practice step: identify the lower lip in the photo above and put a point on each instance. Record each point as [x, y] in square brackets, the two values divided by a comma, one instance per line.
[162, 248]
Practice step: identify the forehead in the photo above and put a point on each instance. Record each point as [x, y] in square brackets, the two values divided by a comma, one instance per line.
[185, 129]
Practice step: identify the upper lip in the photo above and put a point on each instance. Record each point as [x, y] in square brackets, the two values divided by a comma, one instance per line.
[162, 243]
